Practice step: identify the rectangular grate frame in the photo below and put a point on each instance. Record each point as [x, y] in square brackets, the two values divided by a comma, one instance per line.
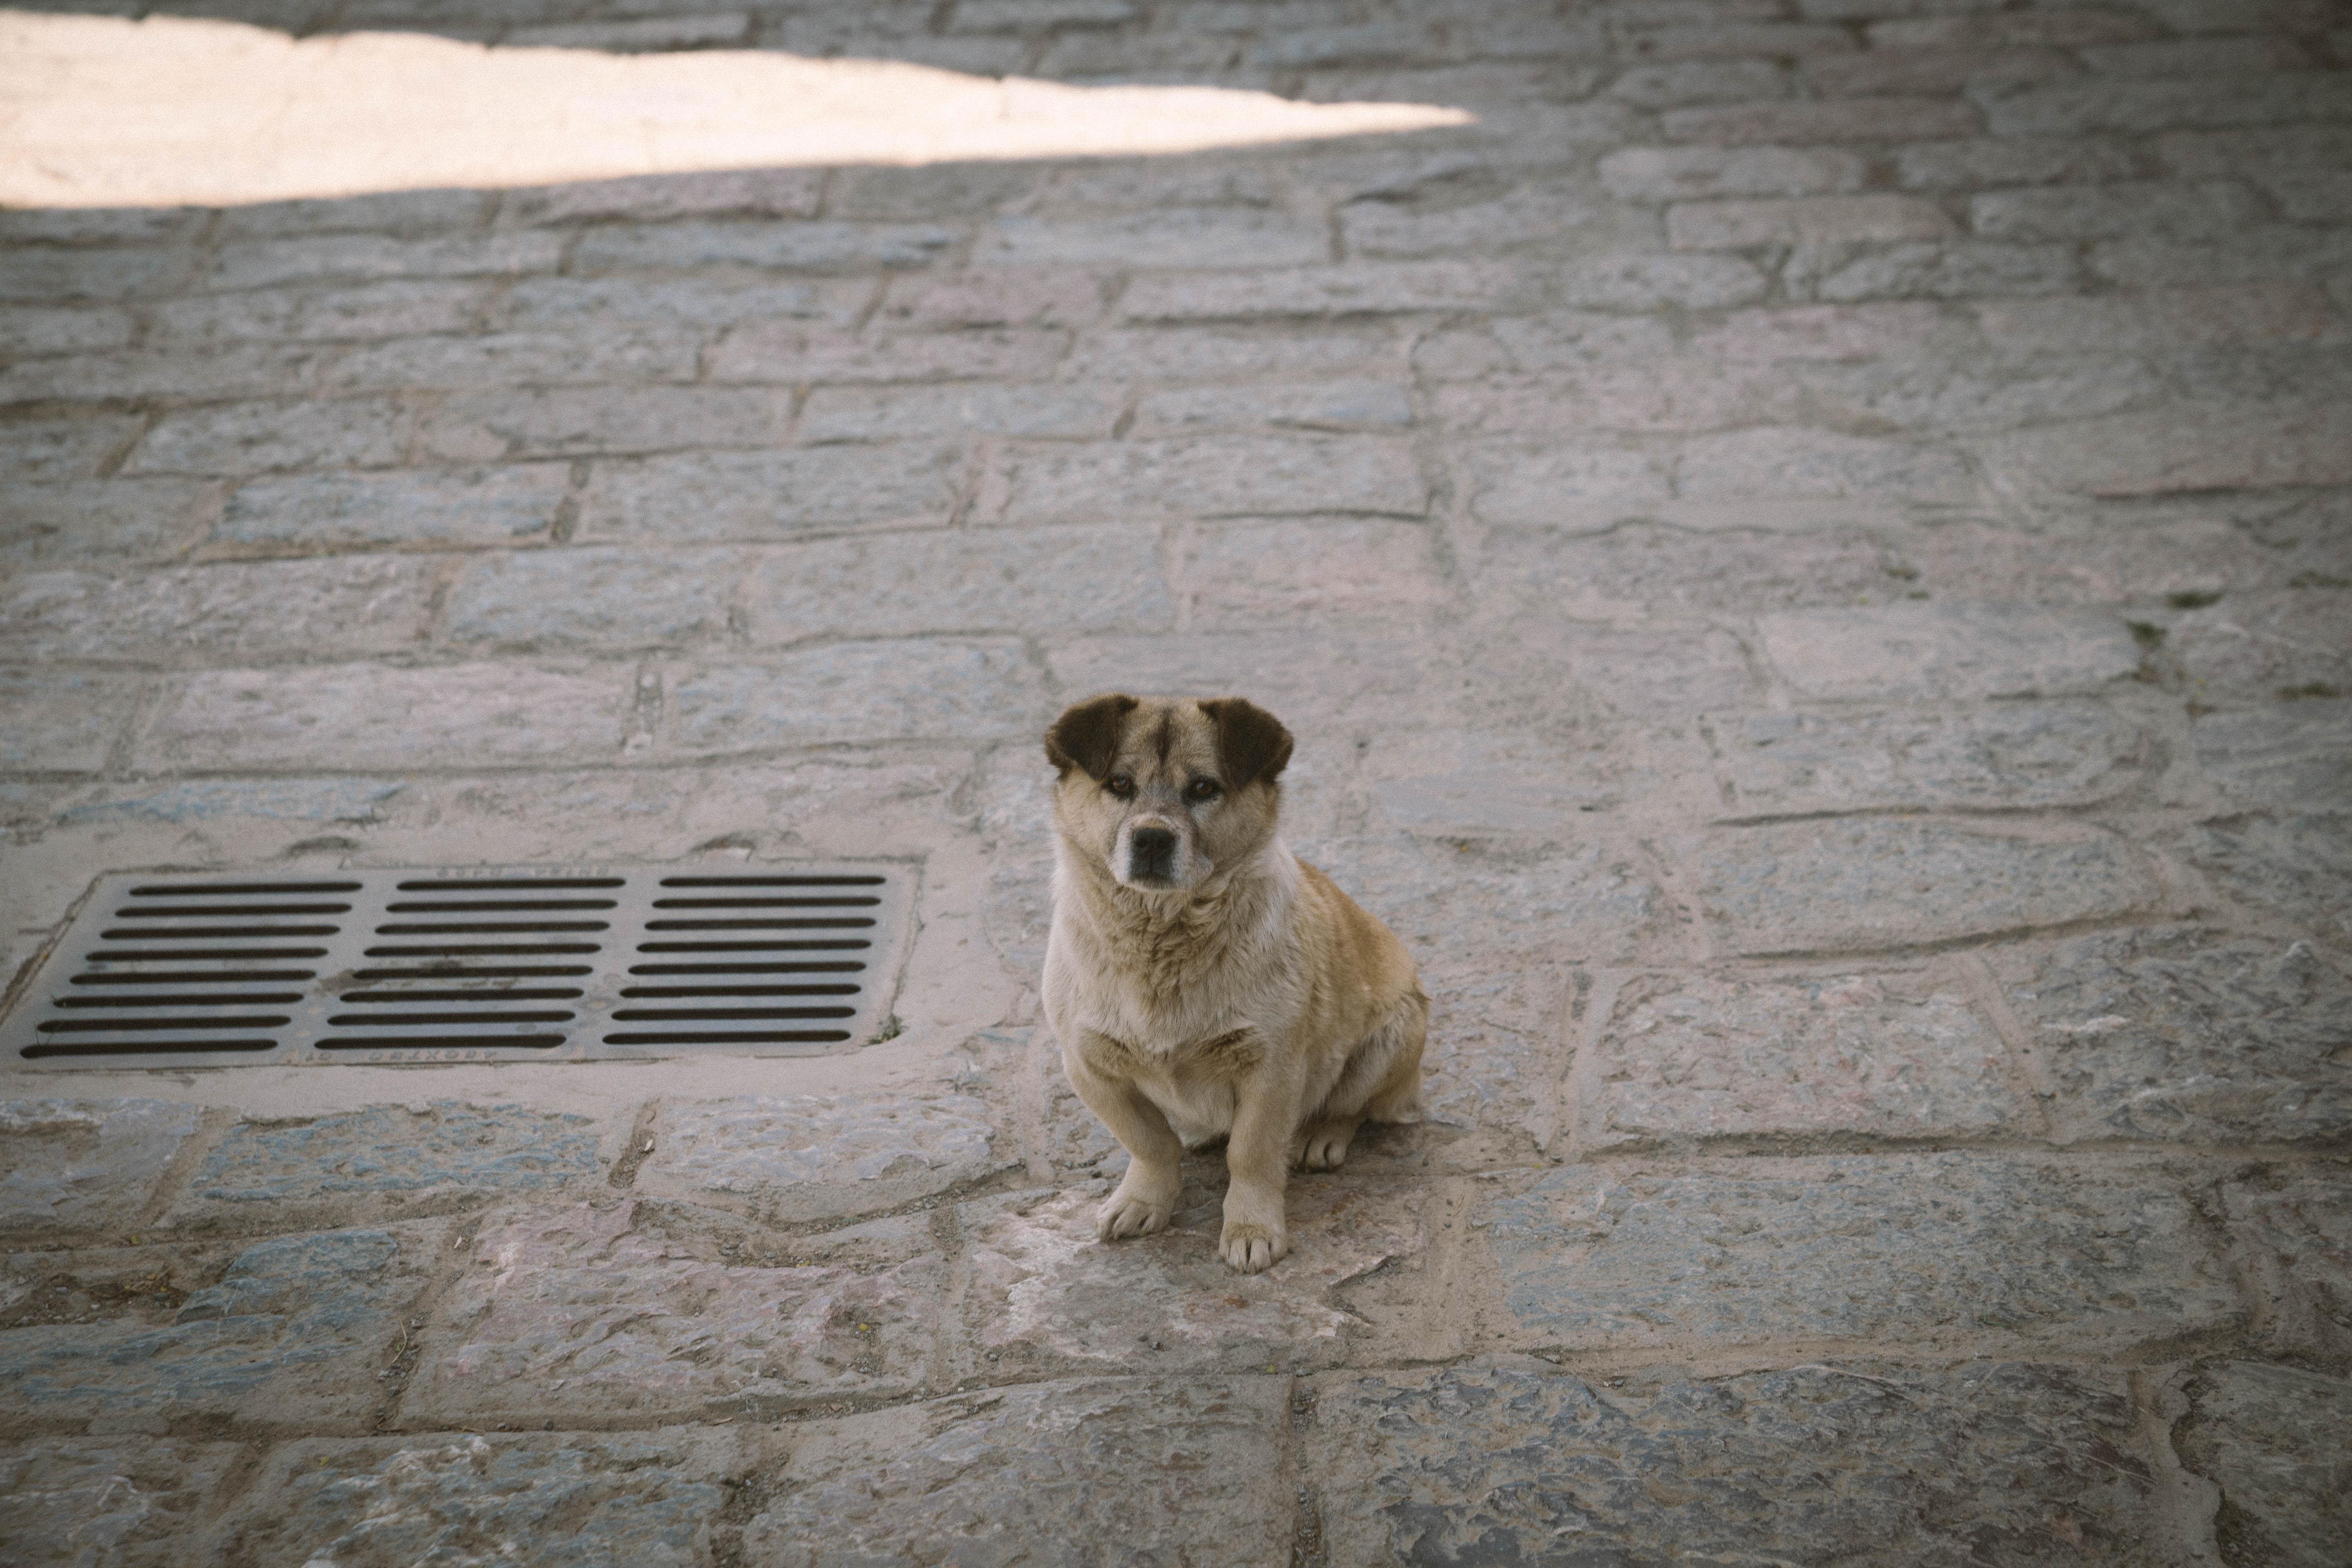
[442, 964]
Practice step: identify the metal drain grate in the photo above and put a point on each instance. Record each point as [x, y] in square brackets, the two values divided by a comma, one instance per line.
[436, 965]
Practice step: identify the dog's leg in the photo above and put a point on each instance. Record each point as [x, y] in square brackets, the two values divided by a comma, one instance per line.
[1147, 1195]
[1380, 1083]
[1257, 1234]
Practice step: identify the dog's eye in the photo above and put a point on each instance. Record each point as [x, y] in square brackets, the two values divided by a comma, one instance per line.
[1119, 785]
[1203, 790]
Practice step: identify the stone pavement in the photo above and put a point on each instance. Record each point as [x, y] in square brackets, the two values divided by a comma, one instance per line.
[1809, 553]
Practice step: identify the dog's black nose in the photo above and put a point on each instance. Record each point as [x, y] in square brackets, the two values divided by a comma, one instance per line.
[1155, 852]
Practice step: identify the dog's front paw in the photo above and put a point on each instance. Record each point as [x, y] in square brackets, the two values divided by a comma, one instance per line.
[1126, 1214]
[1252, 1248]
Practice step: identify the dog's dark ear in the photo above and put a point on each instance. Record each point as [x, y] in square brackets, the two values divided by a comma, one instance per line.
[1252, 745]
[1088, 735]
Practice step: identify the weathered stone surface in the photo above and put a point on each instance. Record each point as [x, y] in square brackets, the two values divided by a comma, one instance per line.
[613, 1501]
[1803, 220]
[1349, 289]
[1045, 1285]
[1209, 476]
[1244, 574]
[86, 1164]
[916, 413]
[1749, 464]
[2184, 449]
[1138, 1471]
[1196, 236]
[445, 1150]
[1915, 1247]
[2008, 754]
[587, 421]
[2274, 1440]
[480, 506]
[92, 520]
[793, 246]
[2183, 1034]
[1325, 405]
[354, 800]
[125, 1501]
[582, 1313]
[338, 606]
[367, 716]
[616, 598]
[2295, 756]
[1806, 886]
[1675, 173]
[2296, 643]
[55, 450]
[61, 720]
[1944, 651]
[1546, 482]
[1855, 1055]
[288, 1335]
[1960, 270]
[253, 438]
[770, 495]
[802, 1156]
[2294, 867]
[2296, 1232]
[1093, 579]
[1813, 1464]
[862, 691]
[1652, 283]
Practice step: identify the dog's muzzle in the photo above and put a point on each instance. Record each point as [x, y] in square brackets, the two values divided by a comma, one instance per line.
[1152, 855]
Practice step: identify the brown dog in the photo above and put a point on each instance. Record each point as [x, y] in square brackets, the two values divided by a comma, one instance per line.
[1205, 982]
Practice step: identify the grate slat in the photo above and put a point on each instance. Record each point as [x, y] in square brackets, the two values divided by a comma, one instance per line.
[508, 963]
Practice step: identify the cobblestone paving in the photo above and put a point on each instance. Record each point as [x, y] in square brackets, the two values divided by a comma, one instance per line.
[1809, 553]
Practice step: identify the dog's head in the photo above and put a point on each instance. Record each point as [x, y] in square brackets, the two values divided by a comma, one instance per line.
[1167, 791]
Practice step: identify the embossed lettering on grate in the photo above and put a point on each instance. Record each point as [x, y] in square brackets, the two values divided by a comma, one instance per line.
[478, 964]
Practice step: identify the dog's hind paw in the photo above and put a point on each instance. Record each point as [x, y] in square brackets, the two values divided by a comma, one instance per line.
[1252, 1249]
[1323, 1147]
[1124, 1216]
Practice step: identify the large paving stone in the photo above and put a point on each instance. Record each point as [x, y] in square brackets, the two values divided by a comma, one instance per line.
[1105, 579]
[356, 800]
[2295, 1230]
[1804, 887]
[255, 438]
[2012, 754]
[289, 1335]
[1045, 1289]
[1918, 1248]
[484, 506]
[1247, 574]
[2189, 1035]
[578, 1313]
[79, 524]
[709, 497]
[2293, 644]
[443, 1151]
[597, 1500]
[2184, 449]
[1948, 651]
[1133, 1472]
[804, 1156]
[368, 716]
[1879, 1469]
[341, 607]
[863, 691]
[1859, 1056]
[610, 598]
[2274, 1439]
[88, 1163]
[1207, 477]
[1640, 568]
[2295, 868]
[63, 721]
[127, 1501]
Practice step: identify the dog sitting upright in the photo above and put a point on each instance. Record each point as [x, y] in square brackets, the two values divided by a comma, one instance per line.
[1205, 982]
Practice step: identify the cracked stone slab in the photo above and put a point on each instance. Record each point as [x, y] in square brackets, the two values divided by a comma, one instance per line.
[397, 1154]
[89, 1164]
[1131, 1471]
[1923, 1247]
[2274, 1439]
[2015, 754]
[2295, 868]
[613, 1500]
[1803, 887]
[580, 1313]
[815, 1156]
[1814, 1464]
[1876, 1056]
[123, 1501]
[1942, 651]
[1042, 1283]
[2189, 1035]
[288, 1334]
